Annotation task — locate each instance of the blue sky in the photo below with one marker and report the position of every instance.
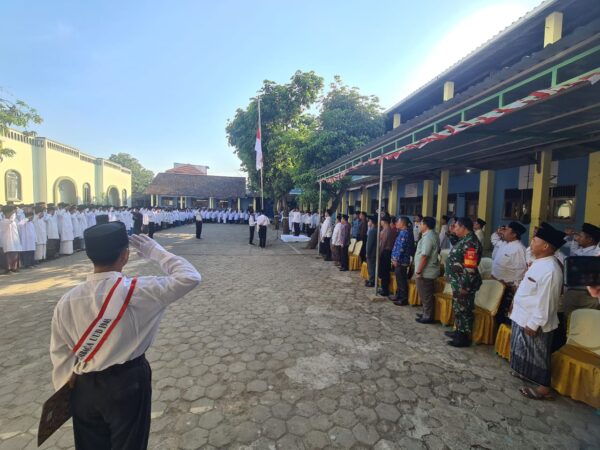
(160, 79)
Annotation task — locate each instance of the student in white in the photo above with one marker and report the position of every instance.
(102, 349)
(41, 233)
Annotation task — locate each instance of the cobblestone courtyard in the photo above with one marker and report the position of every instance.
(277, 349)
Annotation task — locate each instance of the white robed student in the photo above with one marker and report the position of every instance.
(90, 217)
(534, 314)
(53, 244)
(9, 238)
(77, 231)
(27, 237)
(41, 233)
(82, 225)
(65, 229)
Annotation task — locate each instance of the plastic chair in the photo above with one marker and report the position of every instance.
(576, 366)
(351, 246)
(354, 263)
(487, 302)
(443, 306)
(485, 268)
(364, 271)
(502, 345)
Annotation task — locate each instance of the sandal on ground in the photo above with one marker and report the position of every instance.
(532, 394)
(518, 375)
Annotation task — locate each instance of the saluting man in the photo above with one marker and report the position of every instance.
(465, 279)
(101, 330)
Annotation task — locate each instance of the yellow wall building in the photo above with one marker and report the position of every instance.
(43, 170)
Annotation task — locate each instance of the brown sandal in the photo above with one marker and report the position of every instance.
(532, 394)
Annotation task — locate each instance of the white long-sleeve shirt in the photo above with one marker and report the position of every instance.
(262, 220)
(41, 234)
(536, 301)
(510, 262)
(9, 234)
(326, 230)
(336, 237)
(78, 308)
(52, 226)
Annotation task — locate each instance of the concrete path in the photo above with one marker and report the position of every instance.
(278, 349)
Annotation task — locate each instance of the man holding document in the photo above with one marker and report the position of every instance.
(101, 330)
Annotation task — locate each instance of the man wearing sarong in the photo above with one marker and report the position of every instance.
(534, 314)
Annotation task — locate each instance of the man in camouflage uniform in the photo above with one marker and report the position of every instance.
(461, 271)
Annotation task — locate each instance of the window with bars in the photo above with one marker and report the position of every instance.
(12, 181)
(517, 205)
(562, 203)
(87, 193)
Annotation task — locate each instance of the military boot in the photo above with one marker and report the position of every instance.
(460, 340)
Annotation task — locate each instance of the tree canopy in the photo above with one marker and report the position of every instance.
(296, 142)
(140, 176)
(15, 114)
(285, 126)
(347, 120)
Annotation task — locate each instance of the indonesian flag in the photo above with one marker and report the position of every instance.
(258, 148)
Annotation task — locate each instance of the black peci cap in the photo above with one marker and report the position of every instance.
(105, 242)
(551, 235)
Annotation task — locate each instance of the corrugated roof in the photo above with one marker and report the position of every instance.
(205, 186)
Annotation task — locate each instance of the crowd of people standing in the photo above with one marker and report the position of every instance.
(535, 303)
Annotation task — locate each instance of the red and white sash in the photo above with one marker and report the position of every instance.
(108, 317)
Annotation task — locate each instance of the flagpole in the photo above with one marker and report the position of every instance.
(262, 190)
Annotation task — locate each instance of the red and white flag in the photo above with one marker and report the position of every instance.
(258, 148)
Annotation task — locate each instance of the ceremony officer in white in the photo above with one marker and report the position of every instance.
(101, 330)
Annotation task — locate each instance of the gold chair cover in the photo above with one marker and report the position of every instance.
(502, 345)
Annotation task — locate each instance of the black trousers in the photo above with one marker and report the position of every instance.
(198, 229)
(262, 235)
(385, 263)
(151, 229)
(296, 229)
(326, 248)
(52, 248)
(252, 228)
(401, 272)
(344, 256)
(111, 408)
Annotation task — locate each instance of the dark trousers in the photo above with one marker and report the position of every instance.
(385, 263)
(344, 256)
(151, 229)
(371, 268)
(262, 235)
(363, 250)
(326, 248)
(77, 244)
(52, 247)
(27, 258)
(198, 229)
(425, 287)
(251, 228)
(296, 229)
(111, 408)
(401, 273)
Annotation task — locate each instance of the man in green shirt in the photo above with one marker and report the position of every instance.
(427, 267)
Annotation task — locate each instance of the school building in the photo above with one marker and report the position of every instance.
(44, 170)
(510, 132)
(190, 186)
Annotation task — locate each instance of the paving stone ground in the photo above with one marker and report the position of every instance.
(278, 349)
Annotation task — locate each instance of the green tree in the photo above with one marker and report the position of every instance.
(140, 176)
(347, 120)
(286, 125)
(15, 114)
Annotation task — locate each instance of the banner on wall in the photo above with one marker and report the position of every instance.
(411, 190)
(526, 174)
